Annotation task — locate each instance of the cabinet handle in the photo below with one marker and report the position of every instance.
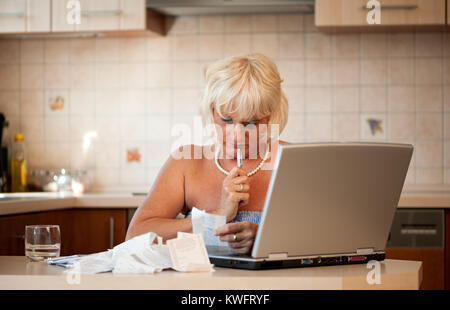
(111, 232)
(393, 7)
(101, 12)
(13, 14)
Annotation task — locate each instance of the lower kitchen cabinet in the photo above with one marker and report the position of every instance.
(83, 231)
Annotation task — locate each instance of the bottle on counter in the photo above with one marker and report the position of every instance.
(18, 165)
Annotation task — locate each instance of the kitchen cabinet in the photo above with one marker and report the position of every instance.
(24, 16)
(348, 15)
(100, 17)
(83, 231)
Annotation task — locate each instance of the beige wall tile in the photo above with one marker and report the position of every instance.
(346, 127)
(446, 90)
(447, 154)
(211, 46)
(318, 72)
(159, 128)
(186, 74)
(402, 126)
(82, 102)
(429, 98)
(9, 77)
(107, 50)
(142, 149)
(292, 72)
(56, 51)
(186, 100)
(159, 100)
(290, 22)
(81, 50)
(266, 44)
(211, 24)
(107, 102)
(133, 176)
(309, 23)
(318, 99)
(50, 96)
(33, 129)
(377, 134)
(132, 128)
(346, 99)
(373, 99)
(410, 176)
(401, 71)
(237, 23)
(108, 129)
(428, 71)
(429, 44)
(109, 157)
(429, 126)
(318, 45)
(36, 161)
(56, 76)
(133, 49)
(81, 128)
(159, 74)
(295, 128)
(107, 75)
(318, 127)
(32, 76)
(9, 103)
(185, 47)
(373, 45)
(291, 45)
(182, 25)
(264, 23)
(446, 125)
(374, 71)
(157, 152)
(346, 72)
(9, 51)
(446, 71)
(401, 44)
(31, 51)
(56, 155)
(105, 177)
(81, 76)
(429, 176)
(133, 75)
(82, 157)
(237, 44)
(159, 48)
(31, 103)
(295, 97)
(132, 102)
(57, 129)
(401, 99)
(346, 45)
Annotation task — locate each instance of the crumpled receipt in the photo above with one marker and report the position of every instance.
(140, 255)
(205, 224)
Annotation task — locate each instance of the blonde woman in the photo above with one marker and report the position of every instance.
(242, 94)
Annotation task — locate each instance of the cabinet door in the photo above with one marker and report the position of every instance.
(21, 16)
(393, 12)
(83, 231)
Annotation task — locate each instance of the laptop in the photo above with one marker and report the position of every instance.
(326, 204)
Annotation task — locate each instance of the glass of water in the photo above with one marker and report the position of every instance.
(42, 242)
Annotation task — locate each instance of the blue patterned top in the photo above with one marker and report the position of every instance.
(243, 216)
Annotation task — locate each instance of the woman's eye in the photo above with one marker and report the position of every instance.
(251, 123)
(227, 120)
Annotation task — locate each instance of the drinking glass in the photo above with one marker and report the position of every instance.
(42, 242)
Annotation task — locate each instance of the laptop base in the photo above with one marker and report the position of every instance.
(294, 263)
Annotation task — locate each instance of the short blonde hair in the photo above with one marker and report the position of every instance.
(248, 85)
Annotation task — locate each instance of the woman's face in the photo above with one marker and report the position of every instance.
(245, 134)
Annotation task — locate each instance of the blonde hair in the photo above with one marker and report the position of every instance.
(248, 85)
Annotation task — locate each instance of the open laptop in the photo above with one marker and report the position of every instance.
(326, 204)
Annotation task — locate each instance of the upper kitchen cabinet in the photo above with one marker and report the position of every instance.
(18, 16)
(60, 17)
(351, 15)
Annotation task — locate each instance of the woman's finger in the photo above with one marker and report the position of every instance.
(230, 228)
(241, 188)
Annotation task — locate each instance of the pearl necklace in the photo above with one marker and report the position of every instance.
(216, 160)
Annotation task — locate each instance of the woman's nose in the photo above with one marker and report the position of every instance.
(239, 134)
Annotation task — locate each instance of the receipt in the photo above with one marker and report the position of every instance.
(205, 224)
(188, 253)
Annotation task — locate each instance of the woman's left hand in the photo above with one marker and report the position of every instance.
(240, 236)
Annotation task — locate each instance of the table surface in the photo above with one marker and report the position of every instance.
(17, 272)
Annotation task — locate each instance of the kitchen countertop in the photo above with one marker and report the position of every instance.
(16, 272)
(19, 203)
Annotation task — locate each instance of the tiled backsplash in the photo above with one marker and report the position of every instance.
(122, 96)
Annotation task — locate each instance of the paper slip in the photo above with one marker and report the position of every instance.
(205, 224)
(188, 253)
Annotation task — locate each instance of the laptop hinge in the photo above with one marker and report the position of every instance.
(277, 256)
(364, 251)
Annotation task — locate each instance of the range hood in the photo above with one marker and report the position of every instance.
(215, 7)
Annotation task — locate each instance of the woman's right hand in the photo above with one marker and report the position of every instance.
(232, 196)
